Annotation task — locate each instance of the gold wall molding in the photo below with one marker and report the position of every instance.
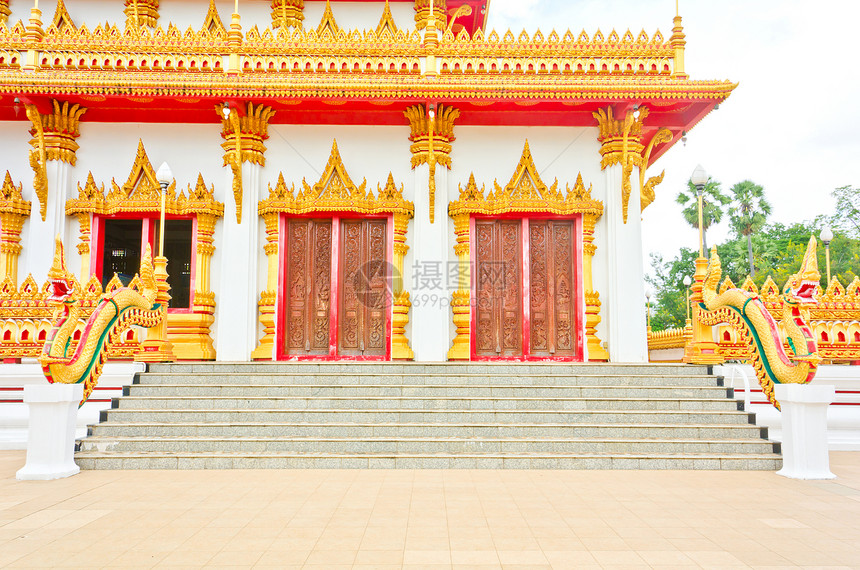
(336, 192)
(266, 349)
(190, 332)
(243, 136)
(60, 129)
(139, 13)
(14, 210)
(287, 13)
(525, 193)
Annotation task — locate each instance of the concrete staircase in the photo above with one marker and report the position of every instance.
(393, 415)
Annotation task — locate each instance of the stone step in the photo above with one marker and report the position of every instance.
(238, 460)
(473, 430)
(377, 445)
(497, 368)
(427, 391)
(422, 415)
(420, 379)
(385, 403)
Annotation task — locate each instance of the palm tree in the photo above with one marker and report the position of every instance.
(750, 210)
(713, 201)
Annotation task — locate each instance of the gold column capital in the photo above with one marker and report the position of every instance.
(443, 133)
(60, 129)
(252, 125)
(287, 13)
(422, 13)
(141, 13)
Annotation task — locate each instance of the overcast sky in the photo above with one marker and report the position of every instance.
(793, 123)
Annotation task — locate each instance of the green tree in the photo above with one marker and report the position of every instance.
(713, 201)
(750, 210)
(847, 216)
(668, 309)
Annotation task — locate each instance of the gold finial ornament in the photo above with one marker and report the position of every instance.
(140, 13)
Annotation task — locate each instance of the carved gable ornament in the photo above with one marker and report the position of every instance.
(142, 193)
(526, 193)
(336, 192)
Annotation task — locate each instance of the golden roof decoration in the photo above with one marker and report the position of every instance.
(212, 22)
(526, 192)
(727, 284)
(11, 198)
(62, 20)
(386, 23)
(142, 193)
(749, 285)
(336, 192)
(328, 24)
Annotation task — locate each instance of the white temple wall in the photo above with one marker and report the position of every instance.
(302, 151)
(185, 13)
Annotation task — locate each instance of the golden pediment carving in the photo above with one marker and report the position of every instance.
(142, 193)
(526, 193)
(336, 192)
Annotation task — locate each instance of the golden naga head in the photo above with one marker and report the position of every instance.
(801, 286)
(62, 282)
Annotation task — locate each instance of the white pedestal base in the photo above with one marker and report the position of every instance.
(804, 429)
(51, 438)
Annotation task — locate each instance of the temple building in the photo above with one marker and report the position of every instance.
(380, 180)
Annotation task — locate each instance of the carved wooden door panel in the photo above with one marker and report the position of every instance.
(499, 288)
(551, 287)
(364, 299)
(309, 287)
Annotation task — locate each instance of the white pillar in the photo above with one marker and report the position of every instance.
(432, 251)
(38, 251)
(240, 285)
(51, 435)
(804, 430)
(624, 305)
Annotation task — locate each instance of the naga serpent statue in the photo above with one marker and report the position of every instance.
(758, 329)
(115, 313)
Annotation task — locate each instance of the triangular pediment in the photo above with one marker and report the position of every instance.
(386, 23)
(212, 23)
(526, 183)
(141, 183)
(328, 23)
(62, 20)
(335, 183)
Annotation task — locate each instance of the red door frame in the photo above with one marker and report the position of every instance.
(526, 289)
(148, 222)
(334, 295)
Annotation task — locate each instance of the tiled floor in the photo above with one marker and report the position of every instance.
(430, 519)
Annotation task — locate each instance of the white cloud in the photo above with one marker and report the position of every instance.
(792, 123)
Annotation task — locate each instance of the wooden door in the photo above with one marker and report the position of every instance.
(364, 295)
(551, 286)
(309, 287)
(499, 288)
